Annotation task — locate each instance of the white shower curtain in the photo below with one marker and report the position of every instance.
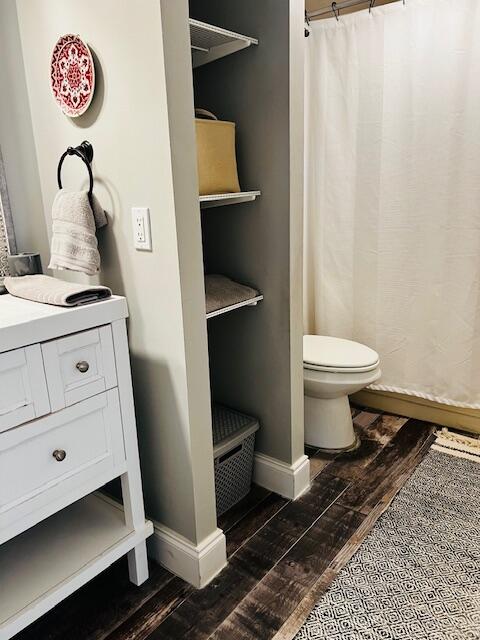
(392, 210)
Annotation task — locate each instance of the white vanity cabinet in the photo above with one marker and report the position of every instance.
(67, 427)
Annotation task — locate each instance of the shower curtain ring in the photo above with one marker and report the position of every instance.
(372, 2)
(307, 23)
(336, 12)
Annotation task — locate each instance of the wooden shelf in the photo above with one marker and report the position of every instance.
(48, 562)
(210, 43)
(246, 303)
(223, 199)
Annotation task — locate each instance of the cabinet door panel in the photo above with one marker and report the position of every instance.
(23, 389)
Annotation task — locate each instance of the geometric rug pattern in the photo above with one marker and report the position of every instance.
(417, 574)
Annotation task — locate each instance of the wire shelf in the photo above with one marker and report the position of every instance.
(210, 43)
(222, 199)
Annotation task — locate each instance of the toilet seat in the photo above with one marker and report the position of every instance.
(336, 355)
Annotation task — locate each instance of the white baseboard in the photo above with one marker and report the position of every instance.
(289, 480)
(197, 565)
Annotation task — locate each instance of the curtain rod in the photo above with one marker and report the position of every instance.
(336, 7)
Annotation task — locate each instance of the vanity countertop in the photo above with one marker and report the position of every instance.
(23, 322)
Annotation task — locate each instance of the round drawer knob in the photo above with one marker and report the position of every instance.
(59, 455)
(82, 366)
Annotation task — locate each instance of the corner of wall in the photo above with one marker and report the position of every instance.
(288, 480)
(196, 564)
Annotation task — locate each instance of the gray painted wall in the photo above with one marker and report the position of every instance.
(256, 353)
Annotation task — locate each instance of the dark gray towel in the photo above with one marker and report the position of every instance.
(222, 292)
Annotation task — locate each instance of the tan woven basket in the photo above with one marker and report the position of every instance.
(216, 158)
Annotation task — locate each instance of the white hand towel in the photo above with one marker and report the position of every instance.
(74, 243)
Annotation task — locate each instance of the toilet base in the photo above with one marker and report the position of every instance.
(328, 423)
(353, 447)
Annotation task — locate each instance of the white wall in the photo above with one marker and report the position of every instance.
(16, 139)
(128, 127)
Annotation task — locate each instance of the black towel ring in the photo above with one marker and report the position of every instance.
(84, 151)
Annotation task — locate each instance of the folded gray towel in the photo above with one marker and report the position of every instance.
(222, 292)
(74, 243)
(49, 290)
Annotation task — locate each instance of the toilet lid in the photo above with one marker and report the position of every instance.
(327, 353)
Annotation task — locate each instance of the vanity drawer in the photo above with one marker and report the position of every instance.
(46, 461)
(79, 366)
(23, 390)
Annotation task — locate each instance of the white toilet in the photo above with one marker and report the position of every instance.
(333, 369)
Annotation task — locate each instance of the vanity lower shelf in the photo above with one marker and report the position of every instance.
(48, 562)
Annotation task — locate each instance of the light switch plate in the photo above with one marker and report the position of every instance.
(142, 237)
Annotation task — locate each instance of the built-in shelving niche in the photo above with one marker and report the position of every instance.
(209, 43)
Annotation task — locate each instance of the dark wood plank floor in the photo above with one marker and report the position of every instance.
(282, 555)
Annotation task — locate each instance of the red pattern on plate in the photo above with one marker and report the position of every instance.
(72, 75)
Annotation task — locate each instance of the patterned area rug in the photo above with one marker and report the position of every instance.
(417, 575)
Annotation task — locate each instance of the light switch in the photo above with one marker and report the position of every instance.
(142, 237)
